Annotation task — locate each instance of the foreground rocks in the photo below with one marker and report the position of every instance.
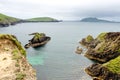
(106, 71)
(13, 63)
(39, 39)
(104, 49)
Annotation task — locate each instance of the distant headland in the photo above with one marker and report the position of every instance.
(8, 20)
(94, 19)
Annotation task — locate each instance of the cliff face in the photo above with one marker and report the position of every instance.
(13, 63)
(104, 48)
(106, 71)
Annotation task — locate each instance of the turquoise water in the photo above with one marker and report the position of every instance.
(57, 60)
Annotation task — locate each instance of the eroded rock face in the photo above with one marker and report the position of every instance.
(106, 71)
(13, 63)
(103, 48)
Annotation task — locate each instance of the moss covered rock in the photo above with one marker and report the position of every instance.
(106, 71)
(103, 48)
(39, 39)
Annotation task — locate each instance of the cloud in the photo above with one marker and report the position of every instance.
(62, 9)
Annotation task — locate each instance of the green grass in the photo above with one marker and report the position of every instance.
(113, 65)
(15, 41)
(4, 19)
(89, 38)
(42, 19)
(101, 36)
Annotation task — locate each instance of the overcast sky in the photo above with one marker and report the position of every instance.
(62, 9)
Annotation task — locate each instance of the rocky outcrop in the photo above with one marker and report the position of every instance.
(13, 62)
(39, 39)
(106, 71)
(104, 48)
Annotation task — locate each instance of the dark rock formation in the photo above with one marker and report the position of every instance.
(39, 39)
(106, 71)
(104, 48)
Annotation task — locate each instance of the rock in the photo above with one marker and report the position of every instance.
(103, 48)
(106, 71)
(13, 62)
(39, 39)
(79, 50)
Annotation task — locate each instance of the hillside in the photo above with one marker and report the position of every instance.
(7, 20)
(13, 62)
(42, 19)
(91, 19)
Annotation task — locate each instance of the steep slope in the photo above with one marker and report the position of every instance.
(7, 20)
(13, 63)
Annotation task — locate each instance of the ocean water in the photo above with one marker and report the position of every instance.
(57, 60)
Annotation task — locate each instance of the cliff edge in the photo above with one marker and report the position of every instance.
(13, 62)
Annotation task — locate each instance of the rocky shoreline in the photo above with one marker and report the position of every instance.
(104, 49)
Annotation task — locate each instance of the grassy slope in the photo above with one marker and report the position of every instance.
(42, 19)
(4, 19)
(113, 65)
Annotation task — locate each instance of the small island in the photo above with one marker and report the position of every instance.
(38, 40)
(94, 19)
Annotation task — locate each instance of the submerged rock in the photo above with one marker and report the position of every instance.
(13, 62)
(39, 39)
(106, 71)
(104, 48)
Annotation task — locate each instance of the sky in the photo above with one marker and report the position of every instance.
(62, 9)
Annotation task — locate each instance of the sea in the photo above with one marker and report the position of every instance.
(57, 59)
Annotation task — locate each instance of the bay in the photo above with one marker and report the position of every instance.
(57, 60)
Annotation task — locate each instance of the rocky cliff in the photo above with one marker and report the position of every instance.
(13, 62)
(106, 50)
(103, 48)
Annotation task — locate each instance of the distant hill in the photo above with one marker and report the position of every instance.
(91, 19)
(42, 19)
(7, 20)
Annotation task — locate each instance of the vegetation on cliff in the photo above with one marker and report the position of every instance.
(14, 65)
(7, 20)
(103, 48)
(106, 49)
(106, 71)
(42, 19)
